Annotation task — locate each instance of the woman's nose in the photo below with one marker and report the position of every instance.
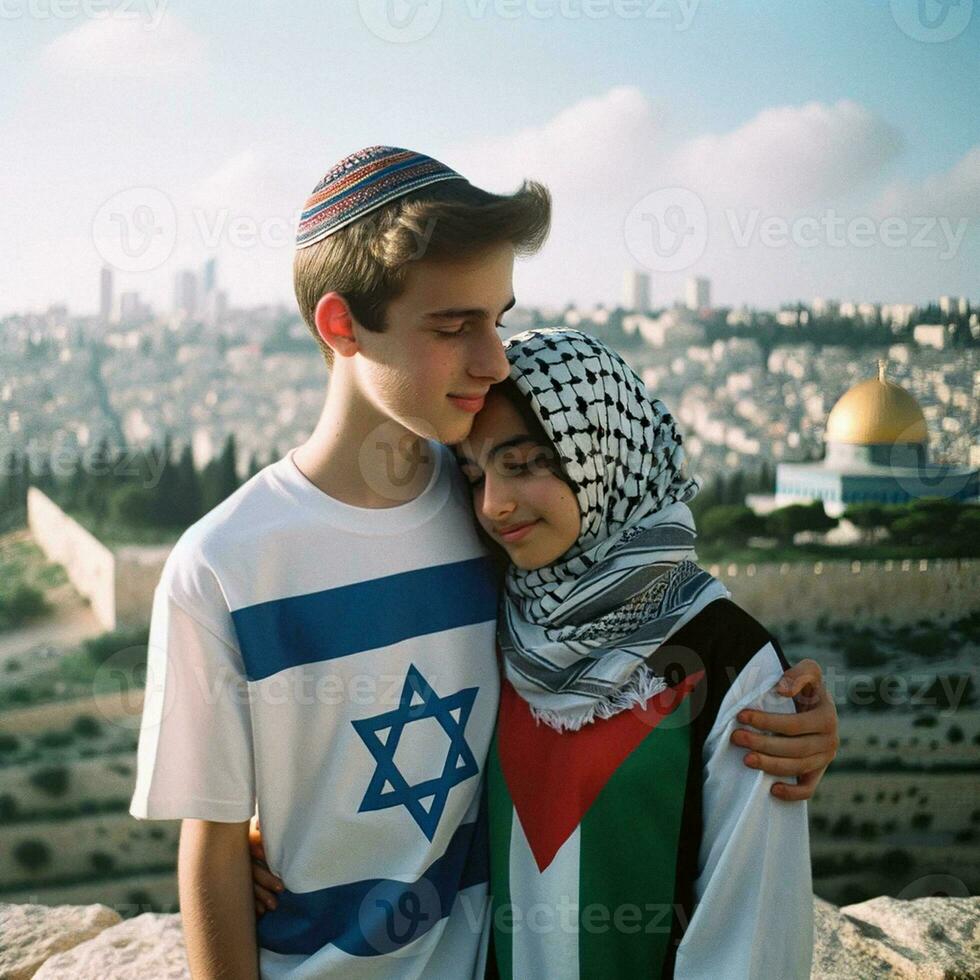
(497, 502)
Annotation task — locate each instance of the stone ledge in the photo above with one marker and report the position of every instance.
(924, 938)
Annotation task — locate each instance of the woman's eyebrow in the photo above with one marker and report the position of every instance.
(510, 443)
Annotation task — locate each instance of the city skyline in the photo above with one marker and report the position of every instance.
(814, 179)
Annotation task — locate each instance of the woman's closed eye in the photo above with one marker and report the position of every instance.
(526, 468)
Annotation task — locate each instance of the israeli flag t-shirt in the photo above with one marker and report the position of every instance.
(333, 667)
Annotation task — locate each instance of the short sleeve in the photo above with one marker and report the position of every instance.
(195, 757)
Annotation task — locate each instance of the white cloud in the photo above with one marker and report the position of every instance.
(954, 193)
(582, 149)
(126, 47)
(789, 156)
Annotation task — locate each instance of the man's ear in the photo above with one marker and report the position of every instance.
(335, 324)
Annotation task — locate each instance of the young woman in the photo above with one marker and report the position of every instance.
(628, 836)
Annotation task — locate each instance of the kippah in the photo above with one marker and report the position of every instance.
(363, 182)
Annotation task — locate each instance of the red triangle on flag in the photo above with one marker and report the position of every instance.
(554, 777)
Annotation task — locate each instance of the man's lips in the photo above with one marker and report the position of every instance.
(515, 532)
(468, 403)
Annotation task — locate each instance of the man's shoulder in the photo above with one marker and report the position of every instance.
(194, 566)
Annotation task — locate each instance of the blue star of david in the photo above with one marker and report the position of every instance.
(381, 734)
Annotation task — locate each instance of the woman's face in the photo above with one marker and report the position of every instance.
(517, 498)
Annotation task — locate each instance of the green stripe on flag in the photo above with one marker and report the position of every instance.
(501, 819)
(629, 841)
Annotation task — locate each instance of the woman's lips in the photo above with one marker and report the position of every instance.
(468, 404)
(518, 533)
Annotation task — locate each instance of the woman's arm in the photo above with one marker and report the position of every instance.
(802, 743)
(753, 914)
(265, 884)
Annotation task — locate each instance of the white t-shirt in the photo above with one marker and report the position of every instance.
(334, 667)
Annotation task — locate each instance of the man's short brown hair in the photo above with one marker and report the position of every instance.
(367, 261)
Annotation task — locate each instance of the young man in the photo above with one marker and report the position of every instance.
(322, 643)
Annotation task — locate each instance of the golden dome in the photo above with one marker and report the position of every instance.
(875, 412)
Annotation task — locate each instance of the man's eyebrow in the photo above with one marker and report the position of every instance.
(511, 443)
(453, 314)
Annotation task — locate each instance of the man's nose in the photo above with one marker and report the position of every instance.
(487, 358)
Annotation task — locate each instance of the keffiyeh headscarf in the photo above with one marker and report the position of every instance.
(575, 634)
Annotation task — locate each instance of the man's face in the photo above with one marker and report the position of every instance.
(441, 350)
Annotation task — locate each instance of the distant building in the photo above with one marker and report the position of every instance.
(636, 291)
(132, 310)
(185, 293)
(898, 314)
(824, 307)
(209, 276)
(105, 295)
(673, 328)
(877, 452)
(698, 294)
(930, 335)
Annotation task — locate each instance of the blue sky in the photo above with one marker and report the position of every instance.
(790, 111)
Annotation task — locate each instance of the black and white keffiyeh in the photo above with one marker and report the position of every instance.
(575, 634)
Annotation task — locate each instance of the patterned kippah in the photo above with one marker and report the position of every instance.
(363, 182)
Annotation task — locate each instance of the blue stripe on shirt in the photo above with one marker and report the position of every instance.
(380, 915)
(304, 629)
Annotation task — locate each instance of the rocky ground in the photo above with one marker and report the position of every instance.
(926, 938)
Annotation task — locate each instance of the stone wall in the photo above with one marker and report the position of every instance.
(89, 564)
(904, 590)
(119, 583)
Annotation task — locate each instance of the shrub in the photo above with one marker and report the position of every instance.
(24, 603)
(52, 780)
(730, 524)
(33, 855)
(141, 898)
(86, 726)
(8, 807)
(102, 863)
(8, 742)
(100, 648)
(897, 862)
(55, 740)
(868, 829)
(863, 652)
(921, 821)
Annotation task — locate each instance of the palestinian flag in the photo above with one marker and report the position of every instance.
(595, 833)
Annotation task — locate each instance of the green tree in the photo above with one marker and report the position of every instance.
(785, 522)
(221, 475)
(730, 524)
(187, 498)
(866, 517)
